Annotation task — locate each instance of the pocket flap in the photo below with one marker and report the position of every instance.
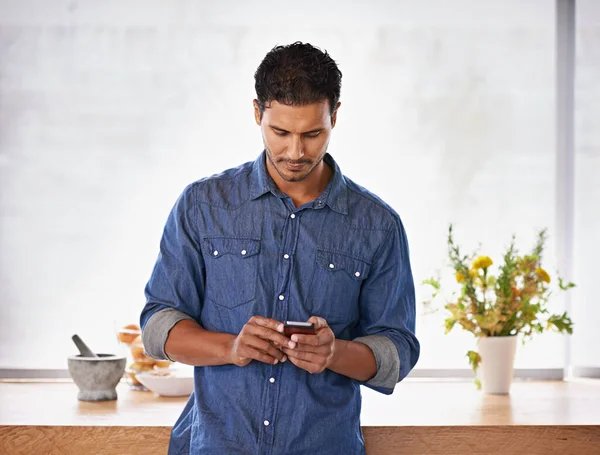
(335, 262)
(216, 247)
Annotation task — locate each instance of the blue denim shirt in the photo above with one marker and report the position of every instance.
(235, 246)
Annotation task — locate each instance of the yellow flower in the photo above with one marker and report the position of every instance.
(473, 273)
(542, 274)
(460, 277)
(482, 262)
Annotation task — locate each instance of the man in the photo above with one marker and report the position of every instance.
(284, 238)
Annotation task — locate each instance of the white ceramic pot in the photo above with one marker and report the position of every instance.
(497, 363)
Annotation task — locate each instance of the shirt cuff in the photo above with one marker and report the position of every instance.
(156, 331)
(387, 359)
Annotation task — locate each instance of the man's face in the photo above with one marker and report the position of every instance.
(295, 137)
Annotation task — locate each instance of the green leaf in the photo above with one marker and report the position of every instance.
(563, 286)
(433, 283)
(562, 323)
(539, 246)
(474, 360)
(449, 324)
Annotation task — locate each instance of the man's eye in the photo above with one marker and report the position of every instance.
(281, 133)
(312, 135)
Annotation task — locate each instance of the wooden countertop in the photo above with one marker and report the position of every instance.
(422, 416)
(414, 403)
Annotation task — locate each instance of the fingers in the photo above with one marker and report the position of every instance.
(267, 322)
(272, 336)
(312, 368)
(319, 358)
(307, 340)
(265, 347)
(309, 361)
(260, 340)
(322, 336)
(256, 354)
(302, 355)
(319, 323)
(269, 329)
(322, 349)
(313, 352)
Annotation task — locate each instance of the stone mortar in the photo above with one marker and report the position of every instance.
(97, 378)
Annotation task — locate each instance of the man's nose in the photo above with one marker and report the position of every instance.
(296, 150)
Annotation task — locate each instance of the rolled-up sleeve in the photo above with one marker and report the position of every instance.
(156, 331)
(387, 306)
(178, 278)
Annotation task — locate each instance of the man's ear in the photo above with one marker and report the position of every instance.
(257, 116)
(334, 115)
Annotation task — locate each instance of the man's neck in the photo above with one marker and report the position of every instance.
(305, 190)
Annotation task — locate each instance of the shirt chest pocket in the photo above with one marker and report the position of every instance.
(335, 286)
(231, 270)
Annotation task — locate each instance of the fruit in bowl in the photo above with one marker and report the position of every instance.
(162, 364)
(130, 336)
(129, 333)
(135, 368)
(168, 382)
(137, 350)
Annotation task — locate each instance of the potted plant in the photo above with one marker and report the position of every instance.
(499, 308)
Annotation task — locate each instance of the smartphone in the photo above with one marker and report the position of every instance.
(304, 328)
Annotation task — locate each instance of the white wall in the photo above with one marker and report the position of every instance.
(586, 301)
(108, 109)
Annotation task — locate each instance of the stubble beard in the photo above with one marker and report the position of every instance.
(293, 177)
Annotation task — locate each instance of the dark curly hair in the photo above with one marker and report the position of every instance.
(296, 75)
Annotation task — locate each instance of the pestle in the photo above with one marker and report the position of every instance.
(96, 375)
(83, 348)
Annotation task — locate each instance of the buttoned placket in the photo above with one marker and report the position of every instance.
(280, 311)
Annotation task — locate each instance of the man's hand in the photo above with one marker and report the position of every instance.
(255, 342)
(313, 353)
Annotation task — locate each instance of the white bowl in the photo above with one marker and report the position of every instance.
(168, 383)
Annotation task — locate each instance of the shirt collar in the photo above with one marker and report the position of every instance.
(335, 194)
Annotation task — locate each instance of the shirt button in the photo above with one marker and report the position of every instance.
(244, 252)
(272, 380)
(331, 266)
(266, 423)
(281, 297)
(286, 256)
(357, 274)
(216, 253)
(292, 216)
